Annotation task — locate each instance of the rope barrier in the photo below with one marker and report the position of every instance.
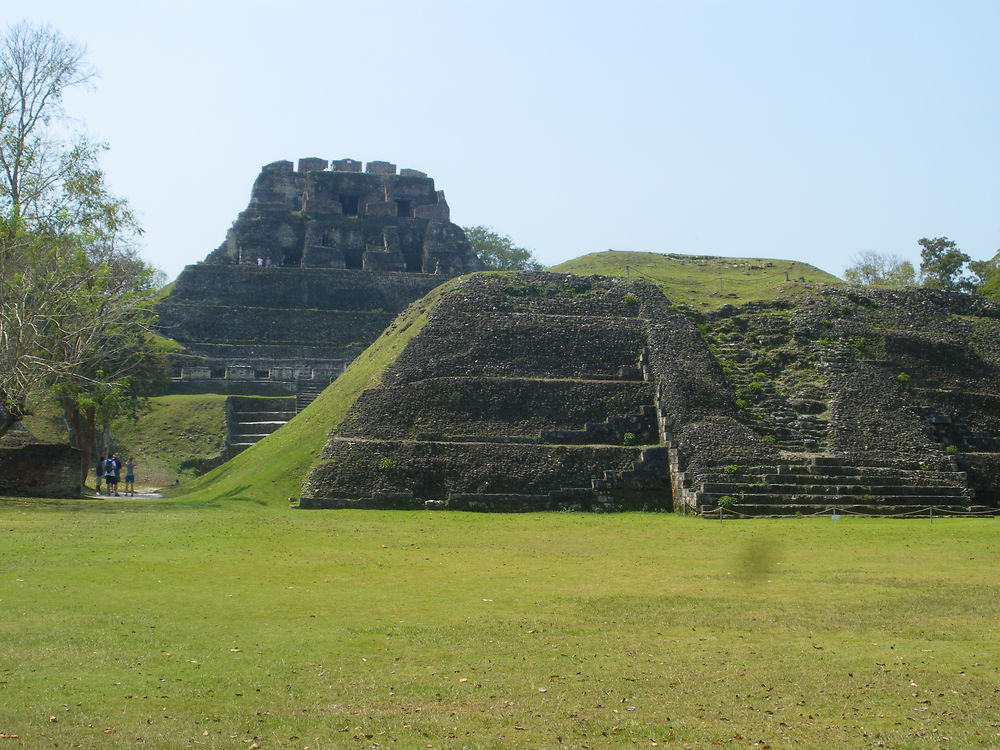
(928, 511)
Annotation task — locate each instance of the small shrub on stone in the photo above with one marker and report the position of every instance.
(730, 469)
(386, 464)
(629, 438)
(630, 299)
(726, 501)
(951, 448)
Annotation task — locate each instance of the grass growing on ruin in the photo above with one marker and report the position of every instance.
(272, 470)
(227, 624)
(704, 282)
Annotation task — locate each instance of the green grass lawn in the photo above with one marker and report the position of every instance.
(229, 622)
(704, 282)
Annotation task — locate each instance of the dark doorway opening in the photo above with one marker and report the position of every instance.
(353, 258)
(349, 205)
(403, 208)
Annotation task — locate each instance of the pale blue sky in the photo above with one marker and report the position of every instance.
(808, 130)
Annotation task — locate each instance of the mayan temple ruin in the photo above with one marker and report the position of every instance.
(544, 391)
(321, 260)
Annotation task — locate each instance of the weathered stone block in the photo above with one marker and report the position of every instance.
(432, 211)
(380, 208)
(380, 167)
(312, 164)
(323, 257)
(345, 165)
(30, 469)
(411, 173)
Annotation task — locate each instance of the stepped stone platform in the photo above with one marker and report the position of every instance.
(522, 392)
(320, 262)
(535, 391)
(250, 420)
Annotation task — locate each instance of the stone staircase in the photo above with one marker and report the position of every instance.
(250, 420)
(306, 392)
(823, 484)
(642, 427)
(793, 425)
(650, 471)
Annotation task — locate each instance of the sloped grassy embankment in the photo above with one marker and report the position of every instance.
(272, 471)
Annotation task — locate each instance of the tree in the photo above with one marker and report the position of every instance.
(134, 368)
(941, 264)
(68, 275)
(876, 269)
(498, 251)
(987, 276)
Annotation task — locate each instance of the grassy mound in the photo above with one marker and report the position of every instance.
(702, 281)
(272, 470)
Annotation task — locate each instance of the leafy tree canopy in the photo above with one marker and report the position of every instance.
(987, 276)
(941, 264)
(498, 251)
(876, 269)
(69, 275)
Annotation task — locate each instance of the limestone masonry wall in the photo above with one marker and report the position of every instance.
(31, 469)
(336, 216)
(507, 407)
(523, 391)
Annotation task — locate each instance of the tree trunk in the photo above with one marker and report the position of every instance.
(6, 421)
(77, 432)
(87, 440)
(10, 415)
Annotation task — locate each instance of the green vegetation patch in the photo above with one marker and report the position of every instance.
(701, 281)
(177, 430)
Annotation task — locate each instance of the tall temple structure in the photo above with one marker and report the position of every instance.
(310, 273)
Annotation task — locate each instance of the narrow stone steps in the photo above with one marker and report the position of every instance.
(307, 393)
(783, 510)
(263, 416)
(789, 499)
(750, 490)
(261, 428)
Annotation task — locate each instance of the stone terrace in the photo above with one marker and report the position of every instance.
(522, 392)
(519, 393)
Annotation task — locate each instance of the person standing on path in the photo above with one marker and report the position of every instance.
(111, 475)
(130, 476)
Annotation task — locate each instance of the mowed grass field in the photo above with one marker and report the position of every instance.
(231, 622)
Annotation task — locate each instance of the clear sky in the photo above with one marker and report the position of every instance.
(800, 129)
